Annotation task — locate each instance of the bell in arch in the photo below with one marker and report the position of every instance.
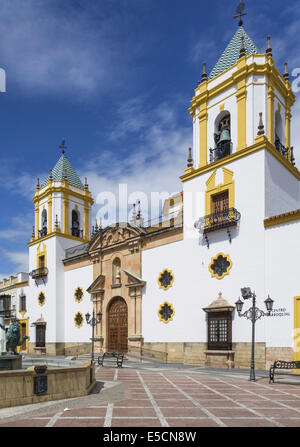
(223, 130)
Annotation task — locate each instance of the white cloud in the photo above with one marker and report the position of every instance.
(61, 46)
(18, 258)
(154, 162)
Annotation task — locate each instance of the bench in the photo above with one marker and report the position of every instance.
(280, 364)
(112, 358)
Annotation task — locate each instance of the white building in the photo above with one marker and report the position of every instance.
(171, 289)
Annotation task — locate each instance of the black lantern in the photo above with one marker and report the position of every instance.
(92, 322)
(246, 293)
(87, 317)
(239, 305)
(269, 304)
(99, 316)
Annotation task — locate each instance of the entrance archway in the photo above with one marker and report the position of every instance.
(117, 326)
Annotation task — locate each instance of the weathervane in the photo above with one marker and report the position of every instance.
(239, 12)
(62, 146)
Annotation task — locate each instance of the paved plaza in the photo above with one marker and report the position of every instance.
(149, 395)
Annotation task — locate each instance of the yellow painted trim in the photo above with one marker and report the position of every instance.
(76, 299)
(22, 284)
(40, 294)
(160, 275)
(288, 117)
(260, 144)
(37, 221)
(159, 315)
(241, 98)
(66, 215)
(26, 321)
(213, 274)
(50, 214)
(40, 253)
(212, 189)
(57, 233)
(296, 329)
(244, 71)
(271, 113)
(281, 220)
(51, 190)
(76, 324)
(86, 223)
(22, 313)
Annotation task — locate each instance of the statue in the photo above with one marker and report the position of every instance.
(13, 337)
(223, 133)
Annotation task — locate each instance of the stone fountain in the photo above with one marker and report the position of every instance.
(9, 358)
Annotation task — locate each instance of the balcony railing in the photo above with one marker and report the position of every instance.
(222, 150)
(41, 272)
(216, 221)
(280, 147)
(43, 232)
(8, 313)
(76, 232)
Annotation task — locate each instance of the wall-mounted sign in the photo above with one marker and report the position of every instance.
(281, 312)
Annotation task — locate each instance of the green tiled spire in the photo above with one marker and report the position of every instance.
(232, 52)
(63, 167)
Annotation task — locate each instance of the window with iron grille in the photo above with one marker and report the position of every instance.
(219, 331)
(22, 302)
(40, 334)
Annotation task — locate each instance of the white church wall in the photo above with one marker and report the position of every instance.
(282, 188)
(80, 277)
(282, 281)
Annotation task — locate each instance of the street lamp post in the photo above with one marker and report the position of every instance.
(92, 322)
(253, 314)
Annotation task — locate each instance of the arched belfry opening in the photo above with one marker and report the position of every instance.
(44, 229)
(278, 128)
(75, 223)
(117, 325)
(222, 137)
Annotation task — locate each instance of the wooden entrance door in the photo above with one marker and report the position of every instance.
(118, 326)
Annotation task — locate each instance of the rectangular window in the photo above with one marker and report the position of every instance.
(22, 302)
(220, 202)
(219, 331)
(40, 334)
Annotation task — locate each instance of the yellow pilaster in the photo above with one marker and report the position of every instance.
(271, 113)
(50, 215)
(86, 222)
(37, 220)
(241, 98)
(66, 214)
(288, 117)
(203, 116)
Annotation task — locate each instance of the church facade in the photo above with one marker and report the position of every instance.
(170, 289)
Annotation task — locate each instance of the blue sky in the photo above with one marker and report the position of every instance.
(114, 78)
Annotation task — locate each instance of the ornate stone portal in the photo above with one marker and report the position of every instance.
(116, 255)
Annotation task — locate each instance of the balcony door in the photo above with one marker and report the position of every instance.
(220, 206)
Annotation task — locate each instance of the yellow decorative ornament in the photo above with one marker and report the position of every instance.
(78, 319)
(220, 266)
(41, 298)
(78, 294)
(166, 312)
(165, 279)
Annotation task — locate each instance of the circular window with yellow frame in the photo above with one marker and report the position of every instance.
(166, 279)
(220, 266)
(166, 312)
(41, 298)
(78, 319)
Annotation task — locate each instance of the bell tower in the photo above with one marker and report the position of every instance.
(241, 113)
(62, 220)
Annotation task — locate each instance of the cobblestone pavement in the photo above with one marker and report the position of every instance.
(169, 397)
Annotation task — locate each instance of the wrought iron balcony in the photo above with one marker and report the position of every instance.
(222, 150)
(41, 272)
(216, 221)
(43, 232)
(76, 232)
(280, 147)
(8, 313)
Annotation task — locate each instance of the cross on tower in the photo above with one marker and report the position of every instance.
(62, 146)
(239, 12)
